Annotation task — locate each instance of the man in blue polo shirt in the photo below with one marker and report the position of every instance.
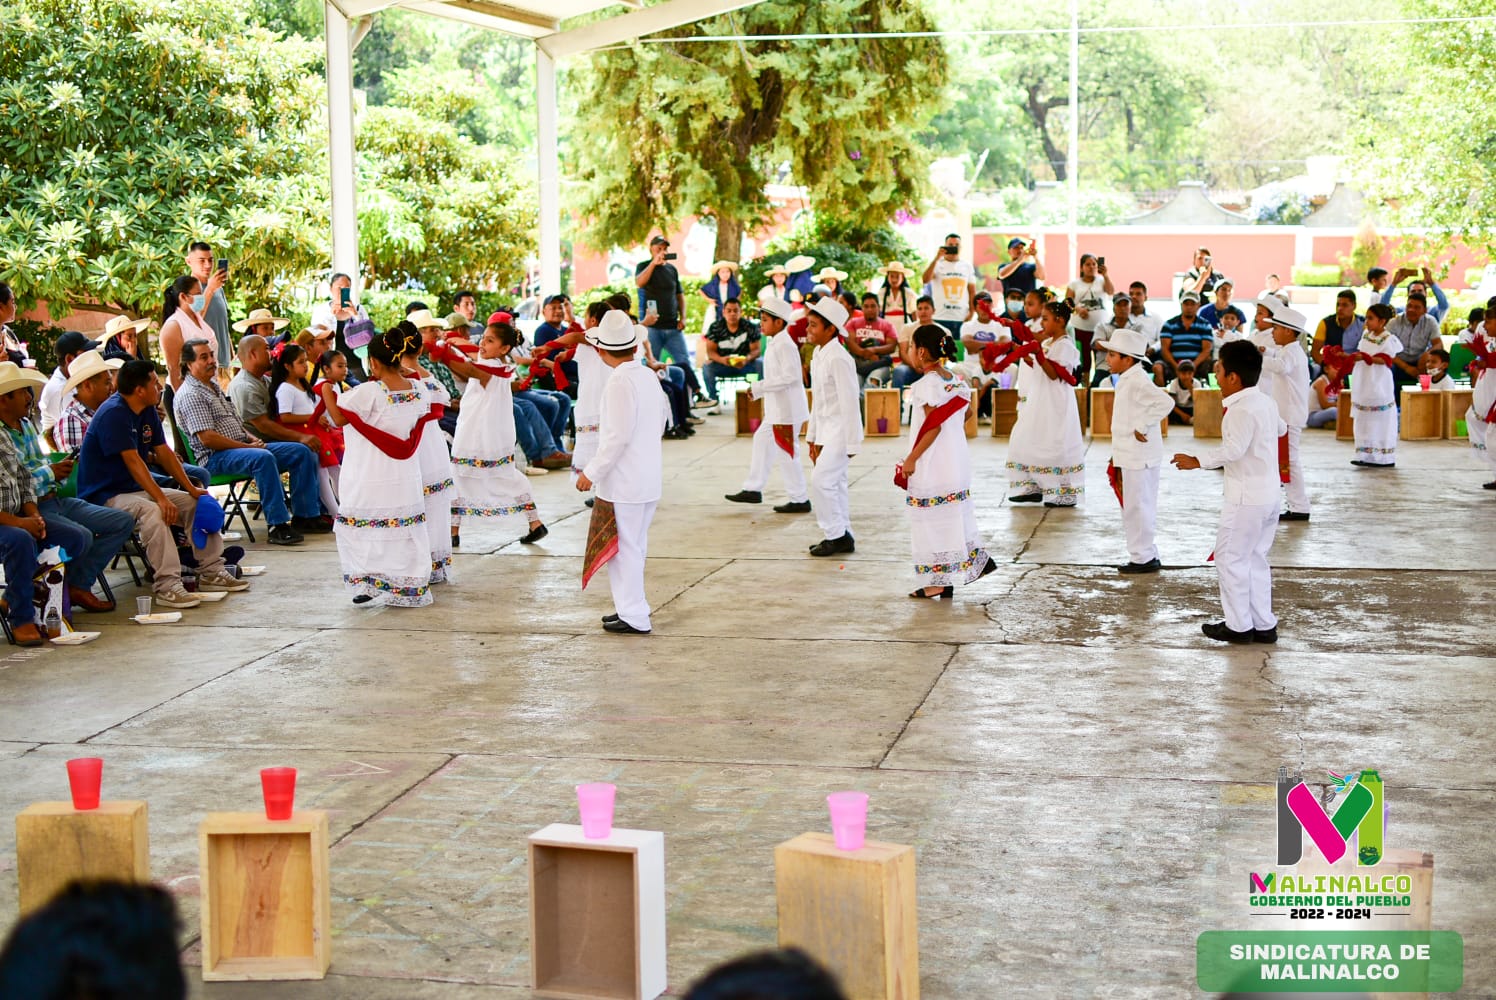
(1186, 337)
(124, 435)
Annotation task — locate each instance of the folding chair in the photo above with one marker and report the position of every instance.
(237, 486)
(132, 549)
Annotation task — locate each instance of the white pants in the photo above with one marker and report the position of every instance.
(626, 569)
(828, 484)
(1481, 437)
(1298, 490)
(1140, 512)
(766, 455)
(1242, 543)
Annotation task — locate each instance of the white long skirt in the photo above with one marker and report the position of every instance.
(1376, 433)
(945, 543)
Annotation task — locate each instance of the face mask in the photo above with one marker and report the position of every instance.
(1015, 306)
(198, 302)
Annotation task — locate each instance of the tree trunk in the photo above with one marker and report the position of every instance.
(729, 238)
(1038, 112)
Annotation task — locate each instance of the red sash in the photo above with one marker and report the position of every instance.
(1283, 466)
(386, 442)
(542, 352)
(931, 425)
(997, 357)
(784, 436)
(602, 539)
(1334, 357)
(1114, 476)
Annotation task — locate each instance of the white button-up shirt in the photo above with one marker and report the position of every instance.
(835, 415)
(628, 467)
(1249, 448)
(783, 387)
(1138, 406)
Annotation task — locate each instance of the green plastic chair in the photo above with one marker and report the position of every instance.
(1460, 356)
(236, 485)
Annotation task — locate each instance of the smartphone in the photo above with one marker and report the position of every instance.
(670, 256)
(1101, 262)
(345, 295)
(223, 264)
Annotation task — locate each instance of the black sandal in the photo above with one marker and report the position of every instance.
(945, 592)
(535, 535)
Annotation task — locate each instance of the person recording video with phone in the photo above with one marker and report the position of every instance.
(212, 275)
(335, 314)
(1023, 272)
(662, 308)
(953, 285)
(1202, 277)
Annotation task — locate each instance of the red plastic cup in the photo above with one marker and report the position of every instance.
(1425, 382)
(85, 775)
(279, 787)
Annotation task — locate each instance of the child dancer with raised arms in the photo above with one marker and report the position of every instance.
(1046, 453)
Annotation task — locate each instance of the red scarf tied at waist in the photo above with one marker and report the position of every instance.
(931, 425)
(541, 353)
(1333, 357)
(386, 442)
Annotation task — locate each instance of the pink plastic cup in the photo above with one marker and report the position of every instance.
(753, 423)
(279, 787)
(882, 425)
(85, 775)
(595, 803)
(848, 819)
(1425, 382)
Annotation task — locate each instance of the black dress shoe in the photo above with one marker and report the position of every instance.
(535, 535)
(846, 543)
(1027, 498)
(945, 592)
(1220, 633)
(1151, 566)
(1489, 486)
(588, 502)
(745, 496)
(1268, 635)
(834, 546)
(793, 507)
(991, 567)
(281, 534)
(1294, 515)
(621, 627)
(1052, 504)
(609, 618)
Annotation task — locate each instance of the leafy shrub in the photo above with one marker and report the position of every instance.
(1282, 208)
(1316, 275)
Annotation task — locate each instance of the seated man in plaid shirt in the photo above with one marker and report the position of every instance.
(22, 533)
(88, 533)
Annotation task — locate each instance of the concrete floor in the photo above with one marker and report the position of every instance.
(1086, 779)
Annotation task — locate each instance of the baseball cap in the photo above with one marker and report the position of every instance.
(658, 240)
(1190, 297)
(500, 317)
(206, 520)
(1121, 297)
(1016, 242)
(73, 342)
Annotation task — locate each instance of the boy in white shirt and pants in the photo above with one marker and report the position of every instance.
(1289, 366)
(1249, 517)
(1138, 408)
(835, 429)
(626, 472)
(783, 392)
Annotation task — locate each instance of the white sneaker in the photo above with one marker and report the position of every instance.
(535, 470)
(177, 597)
(221, 582)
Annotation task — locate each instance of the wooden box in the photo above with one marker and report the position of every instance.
(852, 910)
(56, 844)
(597, 914)
(1004, 411)
(747, 409)
(266, 898)
(1101, 411)
(882, 404)
(1456, 405)
(1422, 417)
(1345, 417)
(1207, 417)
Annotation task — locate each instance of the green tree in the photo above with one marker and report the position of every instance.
(667, 129)
(129, 129)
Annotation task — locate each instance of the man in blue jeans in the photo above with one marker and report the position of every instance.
(223, 445)
(22, 530)
(659, 285)
(89, 533)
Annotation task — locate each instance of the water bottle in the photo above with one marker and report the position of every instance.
(53, 623)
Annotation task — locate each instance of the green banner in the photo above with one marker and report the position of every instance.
(1330, 961)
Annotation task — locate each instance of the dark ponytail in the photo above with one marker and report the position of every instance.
(174, 293)
(936, 341)
(393, 344)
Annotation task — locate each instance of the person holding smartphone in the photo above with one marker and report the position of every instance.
(212, 274)
(335, 314)
(953, 285)
(659, 285)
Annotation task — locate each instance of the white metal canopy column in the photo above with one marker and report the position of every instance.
(344, 183)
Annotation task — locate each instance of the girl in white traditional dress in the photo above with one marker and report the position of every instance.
(942, 518)
(488, 484)
(381, 524)
(436, 462)
(1373, 396)
(1045, 449)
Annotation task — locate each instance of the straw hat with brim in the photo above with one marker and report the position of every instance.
(615, 332)
(13, 377)
(800, 263)
(1126, 341)
(777, 269)
(725, 263)
(422, 319)
(88, 364)
(258, 316)
(119, 325)
(831, 272)
(894, 267)
(777, 307)
(832, 312)
(1289, 317)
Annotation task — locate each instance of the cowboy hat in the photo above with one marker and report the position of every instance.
(86, 365)
(777, 308)
(1290, 318)
(832, 312)
(724, 263)
(800, 263)
(894, 267)
(1271, 303)
(422, 319)
(1132, 343)
(258, 316)
(13, 377)
(830, 272)
(320, 332)
(777, 269)
(120, 324)
(615, 332)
